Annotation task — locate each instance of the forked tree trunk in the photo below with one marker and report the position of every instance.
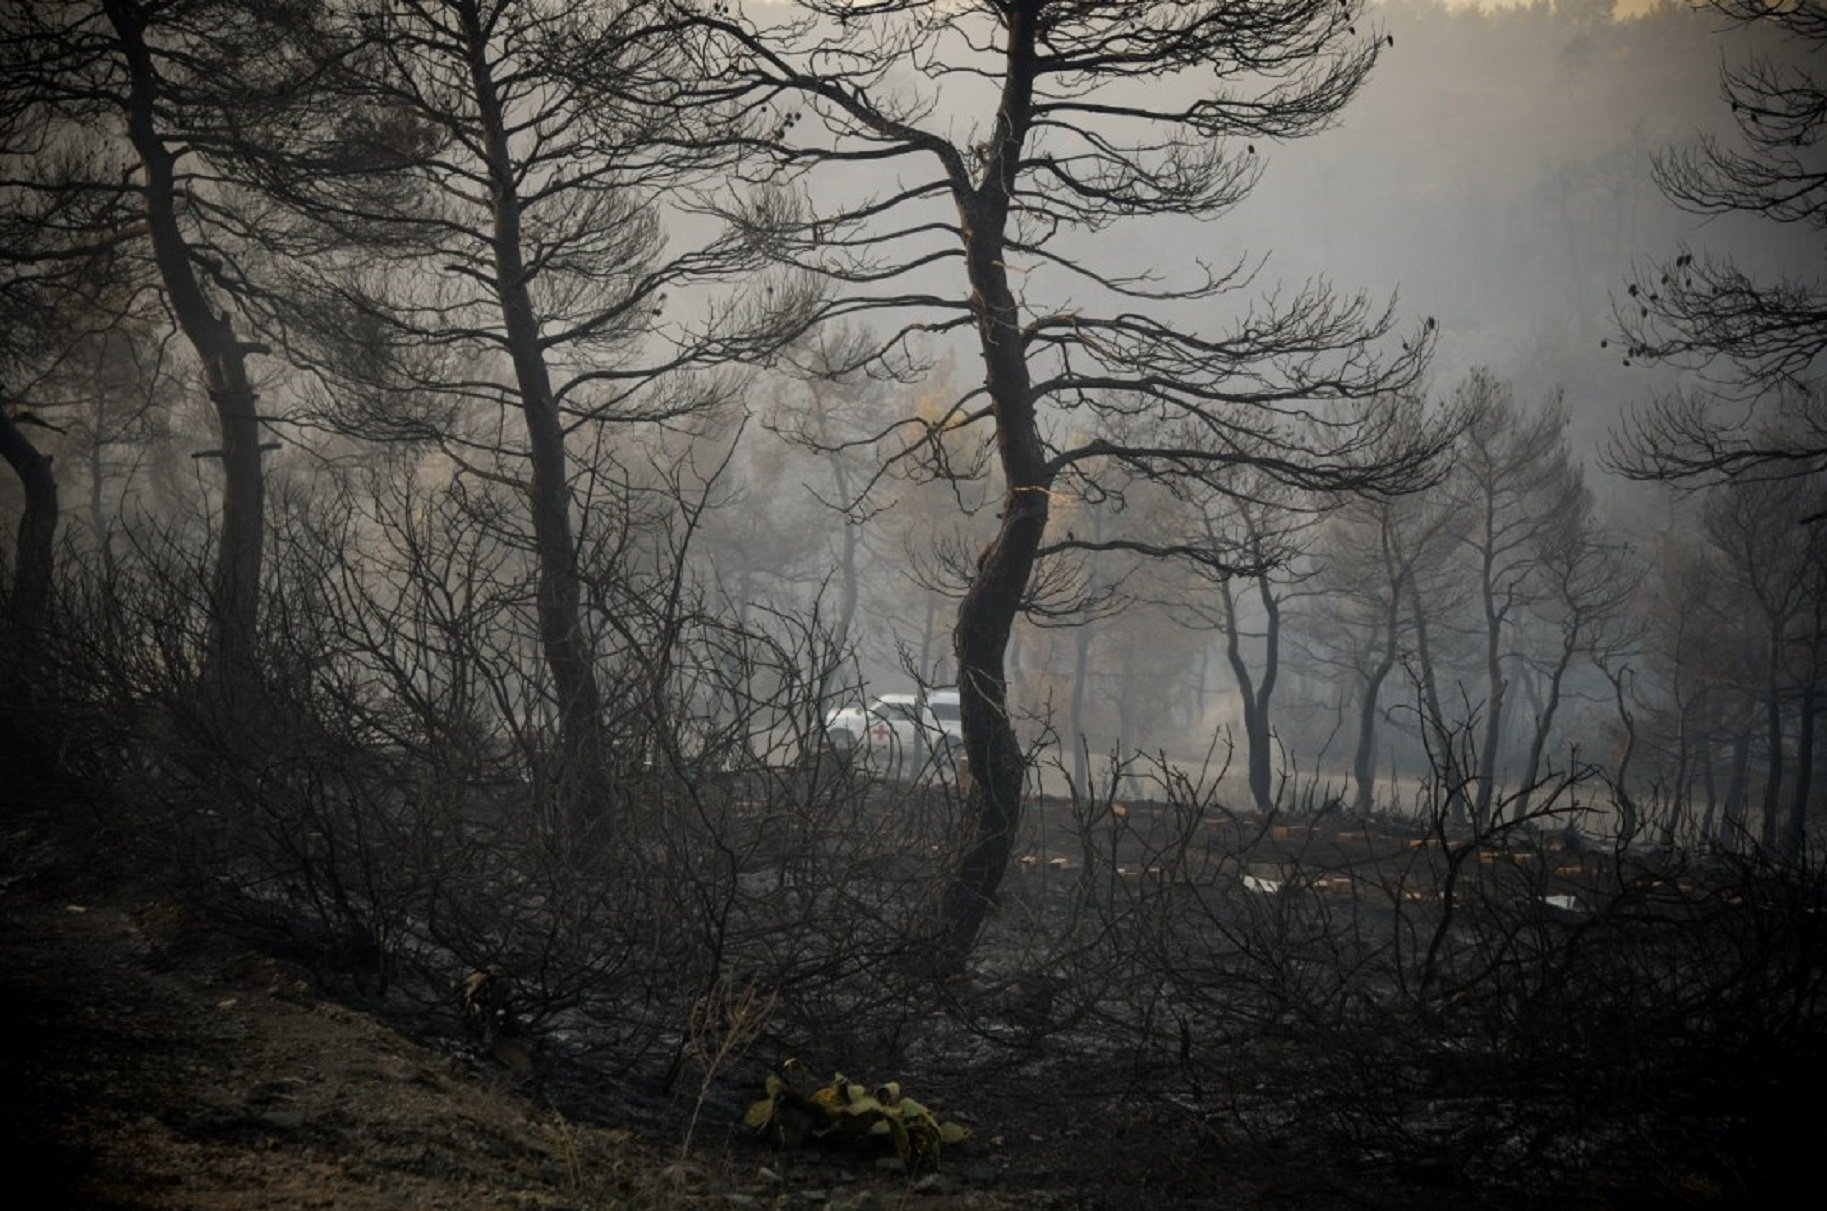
(1258, 736)
(235, 582)
(1445, 754)
(1364, 758)
(1544, 726)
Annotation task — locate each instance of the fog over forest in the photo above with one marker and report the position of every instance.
(1495, 174)
(1264, 561)
(1492, 182)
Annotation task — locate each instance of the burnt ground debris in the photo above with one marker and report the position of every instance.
(156, 1056)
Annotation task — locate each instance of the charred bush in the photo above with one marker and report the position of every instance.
(1510, 1009)
(385, 802)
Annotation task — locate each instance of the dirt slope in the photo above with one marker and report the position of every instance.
(133, 1083)
(146, 1063)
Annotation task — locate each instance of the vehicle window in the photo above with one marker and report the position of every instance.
(947, 711)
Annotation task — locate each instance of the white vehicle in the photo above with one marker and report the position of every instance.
(900, 734)
(945, 710)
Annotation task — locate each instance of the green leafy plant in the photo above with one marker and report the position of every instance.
(846, 1111)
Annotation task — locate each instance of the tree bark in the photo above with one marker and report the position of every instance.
(1496, 695)
(986, 615)
(1732, 820)
(1397, 572)
(1684, 772)
(847, 551)
(235, 585)
(1708, 781)
(1081, 672)
(1773, 738)
(1256, 697)
(1364, 759)
(1795, 826)
(1620, 780)
(1544, 724)
(563, 639)
(29, 602)
(98, 509)
(1445, 756)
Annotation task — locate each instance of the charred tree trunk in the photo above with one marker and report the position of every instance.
(986, 615)
(993, 795)
(846, 563)
(1495, 701)
(1262, 771)
(1258, 740)
(928, 629)
(29, 602)
(1732, 820)
(848, 594)
(566, 645)
(1445, 755)
(1708, 781)
(1684, 772)
(1081, 672)
(98, 508)
(849, 537)
(1202, 690)
(1773, 740)
(1544, 725)
(235, 585)
(1364, 758)
(1627, 747)
(1795, 826)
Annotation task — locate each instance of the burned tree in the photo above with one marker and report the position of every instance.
(29, 594)
(1516, 485)
(1013, 131)
(27, 598)
(1373, 551)
(1774, 561)
(1757, 346)
(1244, 546)
(124, 102)
(476, 191)
(1588, 579)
